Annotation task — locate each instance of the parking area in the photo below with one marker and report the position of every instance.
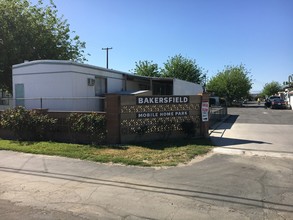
(258, 114)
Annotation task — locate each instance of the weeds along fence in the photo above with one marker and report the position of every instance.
(56, 103)
(217, 113)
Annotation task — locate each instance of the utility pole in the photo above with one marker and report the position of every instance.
(107, 56)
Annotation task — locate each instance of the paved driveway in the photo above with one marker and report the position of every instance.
(256, 130)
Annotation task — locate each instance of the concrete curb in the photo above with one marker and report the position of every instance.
(222, 150)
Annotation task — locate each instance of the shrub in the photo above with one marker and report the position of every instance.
(141, 130)
(27, 124)
(93, 125)
(165, 127)
(188, 127)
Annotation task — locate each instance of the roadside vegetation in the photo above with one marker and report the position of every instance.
(33, 132)
(161, 153)
(271, 88)
(178, 67)
(233, 83)
(34, 32)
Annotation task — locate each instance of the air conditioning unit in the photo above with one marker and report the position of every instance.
(90, 82)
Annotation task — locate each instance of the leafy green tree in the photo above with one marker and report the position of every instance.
(182, 68)
(271, 88)
(33, 32)
(146, 68)
(233, 83)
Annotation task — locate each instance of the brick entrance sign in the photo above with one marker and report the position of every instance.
(146, 118)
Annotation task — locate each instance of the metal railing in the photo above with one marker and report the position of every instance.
(56, 103)
(217, 113)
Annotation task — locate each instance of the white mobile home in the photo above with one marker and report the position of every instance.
(69, 86)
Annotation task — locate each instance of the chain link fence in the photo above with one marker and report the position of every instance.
(56, 103)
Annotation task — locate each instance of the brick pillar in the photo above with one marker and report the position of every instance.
(204, 124)
(112, 108)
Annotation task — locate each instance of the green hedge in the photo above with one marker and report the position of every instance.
(27, 125)
(33, 125)
(92, 125)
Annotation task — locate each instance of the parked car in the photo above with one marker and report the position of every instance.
(274, 97)
(278, 103)
(268, 101)
(237, 103)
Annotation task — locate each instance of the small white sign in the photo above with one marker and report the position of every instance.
(205, 111)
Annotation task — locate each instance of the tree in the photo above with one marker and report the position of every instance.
(233, 83)
(271, 88)
(146, 68)
(182, 68)
(33, 32)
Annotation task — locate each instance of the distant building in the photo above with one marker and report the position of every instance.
(287, 92)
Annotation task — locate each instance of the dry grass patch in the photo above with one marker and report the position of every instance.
(159, 153)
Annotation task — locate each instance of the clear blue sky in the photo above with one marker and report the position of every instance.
(216, 33)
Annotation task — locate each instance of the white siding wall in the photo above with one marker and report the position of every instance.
(115, 85)
(56, 90)
(181, 87)
(62, 85)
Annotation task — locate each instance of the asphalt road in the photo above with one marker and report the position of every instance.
(258, 114)
(223, 185)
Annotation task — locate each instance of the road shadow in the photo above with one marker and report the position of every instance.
(254, 106)
(222, 141)
(226, 124)
(231, 119)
